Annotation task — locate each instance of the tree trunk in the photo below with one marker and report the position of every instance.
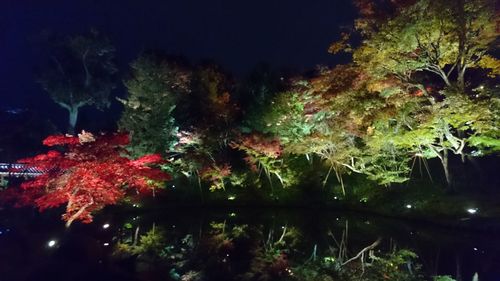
(446, 168)
(458, 275)
(444, 77)
(461, 79)
(73, 117)
(77, 214)
(462, 44)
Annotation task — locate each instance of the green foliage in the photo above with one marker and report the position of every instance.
(153, 91)
(404, 98)
(151, 245)
(283, 116)
(443, 278)
(438, 37)
(392, 266)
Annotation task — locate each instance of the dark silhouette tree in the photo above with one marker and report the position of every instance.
(80, 73)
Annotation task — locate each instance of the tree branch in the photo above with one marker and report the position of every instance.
(367, 248)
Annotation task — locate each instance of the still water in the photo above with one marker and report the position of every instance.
(237, 244)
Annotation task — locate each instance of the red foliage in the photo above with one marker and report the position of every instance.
(256, 145)
(214, 173)
(260, 144)
(87, 177)
(148, 159)
(61, 140)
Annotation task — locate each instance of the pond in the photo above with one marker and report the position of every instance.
(238, 244)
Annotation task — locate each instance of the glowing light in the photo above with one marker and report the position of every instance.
(231, 197)
(232, 214)
(105, 226)
(335, 198)
(51, 243)
(475, 249)
(408, 206)
(472, 211)
(106, 244)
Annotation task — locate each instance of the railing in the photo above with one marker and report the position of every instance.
(18, 170)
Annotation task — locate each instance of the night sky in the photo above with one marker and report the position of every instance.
(236, 34)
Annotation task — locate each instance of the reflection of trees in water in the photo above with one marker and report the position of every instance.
(227, 250)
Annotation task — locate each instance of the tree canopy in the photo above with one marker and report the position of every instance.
(80, 72)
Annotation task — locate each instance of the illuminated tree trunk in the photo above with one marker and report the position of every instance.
(73, 117)
(461, 79)
(445, 162)
(76, 215)
(462, 45)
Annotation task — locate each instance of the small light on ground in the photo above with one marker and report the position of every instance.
(231, 197)
(475, 249)
(51, 243)
(472, 211)
(408, 206)
(106, 244)
(232, 214)
(105, 226)
(335, 198)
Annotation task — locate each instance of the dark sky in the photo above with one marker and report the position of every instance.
(238, 34)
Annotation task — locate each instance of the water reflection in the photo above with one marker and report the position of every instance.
(240, 245)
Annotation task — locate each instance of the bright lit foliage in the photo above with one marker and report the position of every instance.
(92, 173)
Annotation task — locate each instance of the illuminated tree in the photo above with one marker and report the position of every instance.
(264, 155)
(346, 137)
(457, 125)
(80, 73)
(154, 89)
(216, 175)
(444, 38)
(283, 116)
(90, 175)
(407, 44)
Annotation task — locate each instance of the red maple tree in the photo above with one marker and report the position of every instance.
(92, 172)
